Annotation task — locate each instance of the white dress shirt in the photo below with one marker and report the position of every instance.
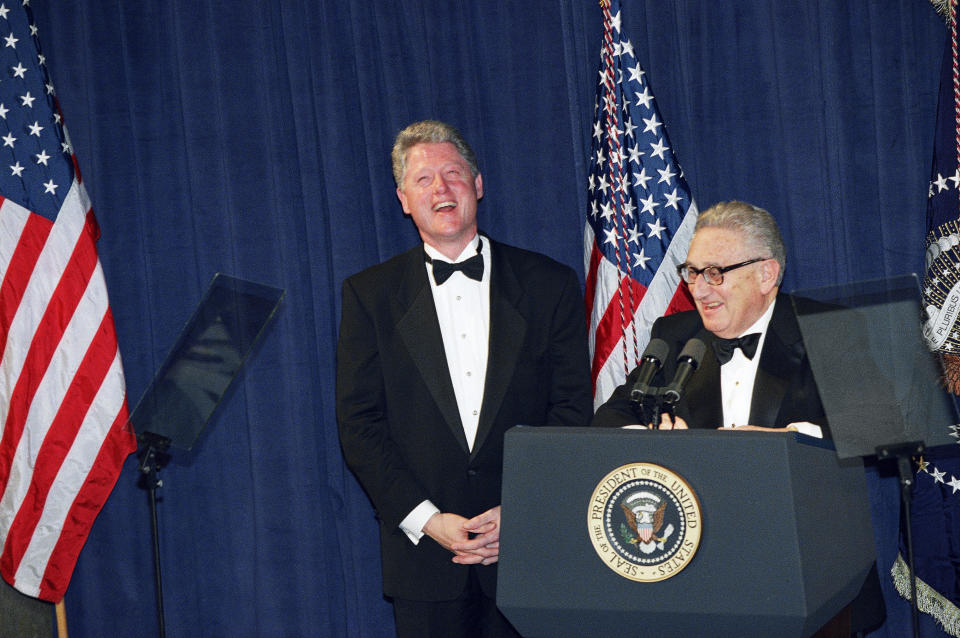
(738, 375)
(463, 310)
(737, 378)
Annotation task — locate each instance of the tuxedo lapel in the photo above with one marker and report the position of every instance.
(419, 328)
(780, 359)
(507, 331)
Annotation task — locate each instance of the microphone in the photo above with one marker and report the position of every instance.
(653, 357)
(687, 363)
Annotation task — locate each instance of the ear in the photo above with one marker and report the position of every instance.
(403, 201)
(478, 185)
(769, 273)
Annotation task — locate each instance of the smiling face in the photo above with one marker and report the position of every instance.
(440, 193)
(732, 307)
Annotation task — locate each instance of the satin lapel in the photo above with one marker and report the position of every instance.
(419, 328)
(507, 331)
(703, 398)
(781, 357)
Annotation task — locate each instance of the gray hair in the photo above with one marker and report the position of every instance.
(432, 132)
(757, 225)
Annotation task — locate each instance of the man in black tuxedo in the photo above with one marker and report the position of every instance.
(734, 269)
(755, 374)
(434, 363)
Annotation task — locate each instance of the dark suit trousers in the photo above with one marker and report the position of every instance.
(471, 615)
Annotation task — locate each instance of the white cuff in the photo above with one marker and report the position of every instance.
(413, 524)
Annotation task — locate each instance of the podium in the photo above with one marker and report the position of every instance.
(783, 531)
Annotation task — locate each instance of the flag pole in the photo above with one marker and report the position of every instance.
(61, 619)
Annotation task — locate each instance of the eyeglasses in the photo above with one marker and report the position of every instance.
(713, 275)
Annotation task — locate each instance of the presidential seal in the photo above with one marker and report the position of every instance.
(644, 522)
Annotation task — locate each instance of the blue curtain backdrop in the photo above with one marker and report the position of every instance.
(253, 137)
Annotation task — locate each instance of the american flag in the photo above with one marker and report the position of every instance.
(63, 407)
(641, 215)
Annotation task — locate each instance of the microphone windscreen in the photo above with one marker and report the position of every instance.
(657, 349)
(694, 350)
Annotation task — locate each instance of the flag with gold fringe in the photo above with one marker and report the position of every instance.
(935, 505)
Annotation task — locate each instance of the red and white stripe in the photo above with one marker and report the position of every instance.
(63, 406)
(607, 290)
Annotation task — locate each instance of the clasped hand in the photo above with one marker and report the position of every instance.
(453, 531)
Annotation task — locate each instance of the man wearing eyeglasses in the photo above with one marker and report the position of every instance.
(755, 374)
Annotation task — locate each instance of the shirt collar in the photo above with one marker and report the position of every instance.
(469, 251)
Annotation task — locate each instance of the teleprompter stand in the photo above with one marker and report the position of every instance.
(193, 379)
(902, 455)
(878, 381)
(153, 456)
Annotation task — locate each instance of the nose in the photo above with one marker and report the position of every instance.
(700, 288)
(440, 184)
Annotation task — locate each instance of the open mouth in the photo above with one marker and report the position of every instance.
(443, 206)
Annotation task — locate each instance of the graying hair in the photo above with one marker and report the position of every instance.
(433, 132)
(757, 225)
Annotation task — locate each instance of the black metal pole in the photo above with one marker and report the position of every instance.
(158, 578)
(152, 457)
(903, 453)
(906, 485)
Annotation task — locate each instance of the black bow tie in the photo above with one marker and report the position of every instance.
(724, 347)
(472, 267)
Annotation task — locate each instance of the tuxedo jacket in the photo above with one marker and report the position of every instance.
(784, 391)
(399, 424)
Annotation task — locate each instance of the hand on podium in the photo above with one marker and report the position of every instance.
(666, 423)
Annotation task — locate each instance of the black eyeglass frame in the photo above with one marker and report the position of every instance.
(716, 271)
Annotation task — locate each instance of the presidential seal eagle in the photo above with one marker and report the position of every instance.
(644, 512)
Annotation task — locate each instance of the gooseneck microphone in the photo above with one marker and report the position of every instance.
(653, 358)
(687, 363)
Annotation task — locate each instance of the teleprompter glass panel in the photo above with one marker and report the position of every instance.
(879, 383)
(207, 356)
